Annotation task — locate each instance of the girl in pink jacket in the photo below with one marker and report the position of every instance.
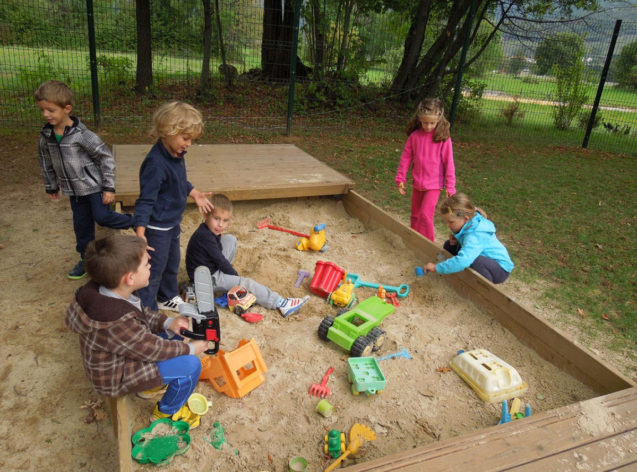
(429, 150)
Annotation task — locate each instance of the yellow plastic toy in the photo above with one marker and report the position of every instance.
(343, 295)
(316, 241)
(358, 433)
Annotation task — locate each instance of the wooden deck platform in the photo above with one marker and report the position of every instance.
(599, 434)
(241, 171)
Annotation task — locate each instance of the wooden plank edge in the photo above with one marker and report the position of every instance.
(533, 432)
(321, 190)
(551, 344)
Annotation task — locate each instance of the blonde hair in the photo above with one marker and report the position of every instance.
(173, 118)
(56, 92)
(431, 107)
(459, 205)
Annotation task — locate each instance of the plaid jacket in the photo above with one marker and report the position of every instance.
(119, 349)
(81, 164)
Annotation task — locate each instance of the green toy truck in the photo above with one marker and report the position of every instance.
(357, 330)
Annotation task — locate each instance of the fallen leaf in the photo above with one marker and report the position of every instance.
(605, 316)
(580, 312)
(443, 370)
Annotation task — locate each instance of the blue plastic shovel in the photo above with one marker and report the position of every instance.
(402, 290)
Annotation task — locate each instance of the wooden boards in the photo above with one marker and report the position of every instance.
(241, 171)
(597, 434)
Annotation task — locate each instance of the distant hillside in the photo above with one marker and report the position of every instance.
(596, 29)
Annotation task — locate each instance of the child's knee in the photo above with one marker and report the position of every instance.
(192, 365)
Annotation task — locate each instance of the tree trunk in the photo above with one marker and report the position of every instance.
(144, 74)
(226, 70)
(317, 46)
(347, 18)
(276, 47)
(272, 19)
(207, 47)
(413, 45)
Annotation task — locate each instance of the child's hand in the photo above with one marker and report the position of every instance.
(140, 232)
(430, 267)
(54, 196)
(201, 199)
(178, 323)
(401, 188)
(108, 198)
(199, 346)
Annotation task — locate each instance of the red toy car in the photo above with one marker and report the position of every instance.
(239, 300)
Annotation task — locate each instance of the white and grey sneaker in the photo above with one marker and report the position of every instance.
(291, 305)
(172, 304)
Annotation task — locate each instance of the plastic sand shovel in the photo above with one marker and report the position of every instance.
(358, 434)
(402, 290)
(266, 224)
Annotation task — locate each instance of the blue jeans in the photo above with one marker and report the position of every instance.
(164, 266)
(181, 374)
(88, 210)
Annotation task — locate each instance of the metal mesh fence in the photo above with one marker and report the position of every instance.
(509, 86)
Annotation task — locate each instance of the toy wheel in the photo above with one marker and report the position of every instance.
(341, 311)
(354, 391)
(238, 310)
(377, 335)
(362, 347)
(324, 327)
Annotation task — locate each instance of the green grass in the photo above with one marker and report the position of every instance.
(544, 87)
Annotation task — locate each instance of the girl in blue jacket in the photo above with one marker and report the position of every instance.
(473, 242)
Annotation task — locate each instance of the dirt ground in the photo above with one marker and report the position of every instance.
(43, 390)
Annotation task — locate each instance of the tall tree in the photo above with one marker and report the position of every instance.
(144, 74)
(437, 32)
(207, 48)
(276, 41)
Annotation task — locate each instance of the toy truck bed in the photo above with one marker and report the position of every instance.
(365, 375)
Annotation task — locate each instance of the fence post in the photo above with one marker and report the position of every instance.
(602, 81)
(295, 45)
(93, 59)
(463, 57)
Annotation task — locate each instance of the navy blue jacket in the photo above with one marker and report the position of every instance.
(163, 189)
(204, 248)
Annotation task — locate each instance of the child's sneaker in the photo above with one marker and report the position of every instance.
(153, 392)
(172, 304)
(185, 414)
(290, 305)
(158, 415)
(78, 271)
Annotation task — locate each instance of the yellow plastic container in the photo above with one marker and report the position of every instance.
(489, 376)
(198, 404)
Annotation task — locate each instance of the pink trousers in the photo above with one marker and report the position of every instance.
(423, 207)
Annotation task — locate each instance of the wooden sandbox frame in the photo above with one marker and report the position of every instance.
(552, 440)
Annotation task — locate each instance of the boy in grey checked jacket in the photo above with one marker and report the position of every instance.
(76, 161)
